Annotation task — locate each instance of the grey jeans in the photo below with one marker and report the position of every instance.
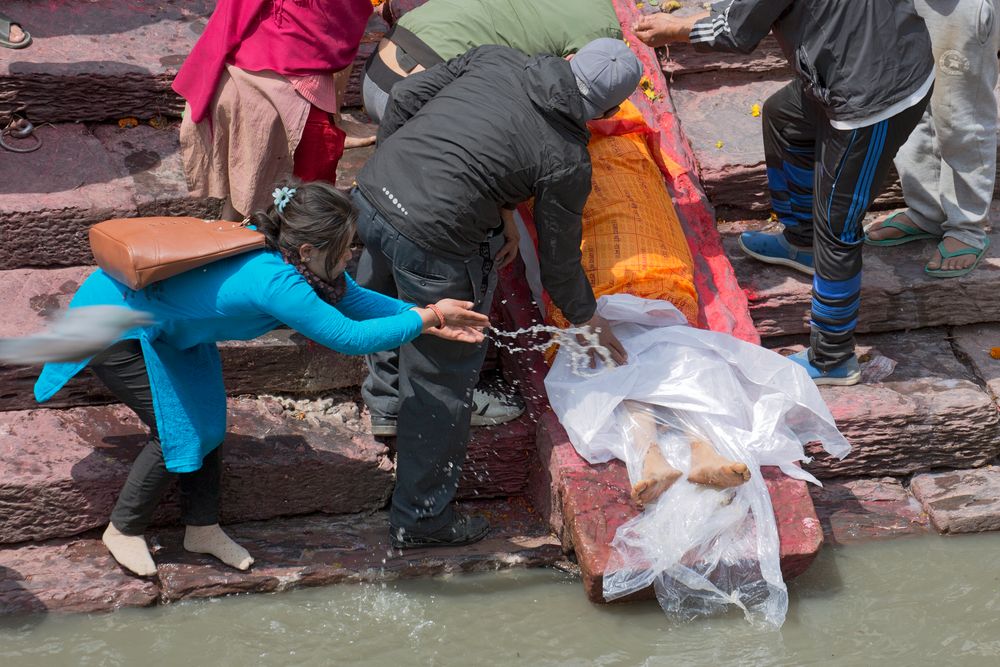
(948, 165)
(427, 383)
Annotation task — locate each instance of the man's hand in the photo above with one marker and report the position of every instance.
(508, 253)
(607, 338)
(660, 29)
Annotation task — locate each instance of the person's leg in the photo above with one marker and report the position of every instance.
(122, 368)
(200, 513)
(320, 148)
(711, 469)
(850, 171)
(789, 130)
(380, 388)
(964, 107)
(436, 380)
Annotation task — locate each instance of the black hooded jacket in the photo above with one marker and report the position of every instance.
(487, 129)
(856, 58)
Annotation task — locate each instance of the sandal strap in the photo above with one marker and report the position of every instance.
(891, 222)
(949, 254)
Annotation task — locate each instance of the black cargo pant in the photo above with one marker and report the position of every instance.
(123, 369)
(427, 384)
(822, 181)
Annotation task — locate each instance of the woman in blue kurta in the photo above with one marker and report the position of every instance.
(171, 375)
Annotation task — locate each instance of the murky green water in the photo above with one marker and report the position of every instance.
(924, 601)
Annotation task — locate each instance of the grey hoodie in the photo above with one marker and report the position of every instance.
(487, 129)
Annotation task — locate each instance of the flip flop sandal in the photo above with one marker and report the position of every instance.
(957, 273)
(911, 233)
(5, 24)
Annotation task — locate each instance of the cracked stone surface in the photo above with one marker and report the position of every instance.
(929, 413)
(78, 575)
(961, 501)
(856, 510)
(974, 345)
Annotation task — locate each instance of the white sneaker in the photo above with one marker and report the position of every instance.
(490, 406)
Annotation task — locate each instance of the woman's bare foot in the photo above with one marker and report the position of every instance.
(212, 540)
(710, 469)
(657, 477)
(130, 551)
(951, 263)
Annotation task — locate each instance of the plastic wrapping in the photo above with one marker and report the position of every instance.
(703, 549)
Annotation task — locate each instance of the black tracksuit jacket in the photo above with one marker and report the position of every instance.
(490, 128)
(856, 57)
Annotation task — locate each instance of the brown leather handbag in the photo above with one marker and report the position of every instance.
(140, 251)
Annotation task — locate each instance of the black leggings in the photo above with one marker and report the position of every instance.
(122, 368)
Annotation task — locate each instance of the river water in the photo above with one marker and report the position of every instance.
(918, 601)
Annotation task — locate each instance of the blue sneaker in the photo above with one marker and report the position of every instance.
(846, 374)
(774, 249)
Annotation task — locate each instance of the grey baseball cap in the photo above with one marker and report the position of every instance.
(606, 73)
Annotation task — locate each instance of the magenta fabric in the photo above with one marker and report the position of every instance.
(290, 37)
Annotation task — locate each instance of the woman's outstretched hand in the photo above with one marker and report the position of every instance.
(461, 323)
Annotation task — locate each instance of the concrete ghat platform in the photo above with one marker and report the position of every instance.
(896, 294)
(586, 504)
(99, 60)
(929, 413)
(79, 575)
(61, 470)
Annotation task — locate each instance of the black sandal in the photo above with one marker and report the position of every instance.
(5, 25)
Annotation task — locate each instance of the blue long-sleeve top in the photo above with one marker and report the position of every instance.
(238, 298)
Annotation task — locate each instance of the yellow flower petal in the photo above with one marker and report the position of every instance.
(755, 110)
(719, 144)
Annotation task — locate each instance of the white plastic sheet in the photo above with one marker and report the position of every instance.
(703, 549)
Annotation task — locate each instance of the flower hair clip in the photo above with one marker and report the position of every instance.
(282, 196)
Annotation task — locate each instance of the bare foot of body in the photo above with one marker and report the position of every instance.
(657, 477)
(952, 263)
(710, 469)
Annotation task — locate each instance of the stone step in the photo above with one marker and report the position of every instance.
(282, 361)
(896, 294)
(715, 112)
(586, 504)
(84, 174)
(98, 60)
(682, 60)
(930, 413)
(78, 575)
(961, 501)
(61, 470)
(858, 510)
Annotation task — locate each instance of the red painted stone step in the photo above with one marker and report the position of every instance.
(587, 504)
(281, 361)
(896, 294)
(78, 575)
(61, 470)
(100, 60)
